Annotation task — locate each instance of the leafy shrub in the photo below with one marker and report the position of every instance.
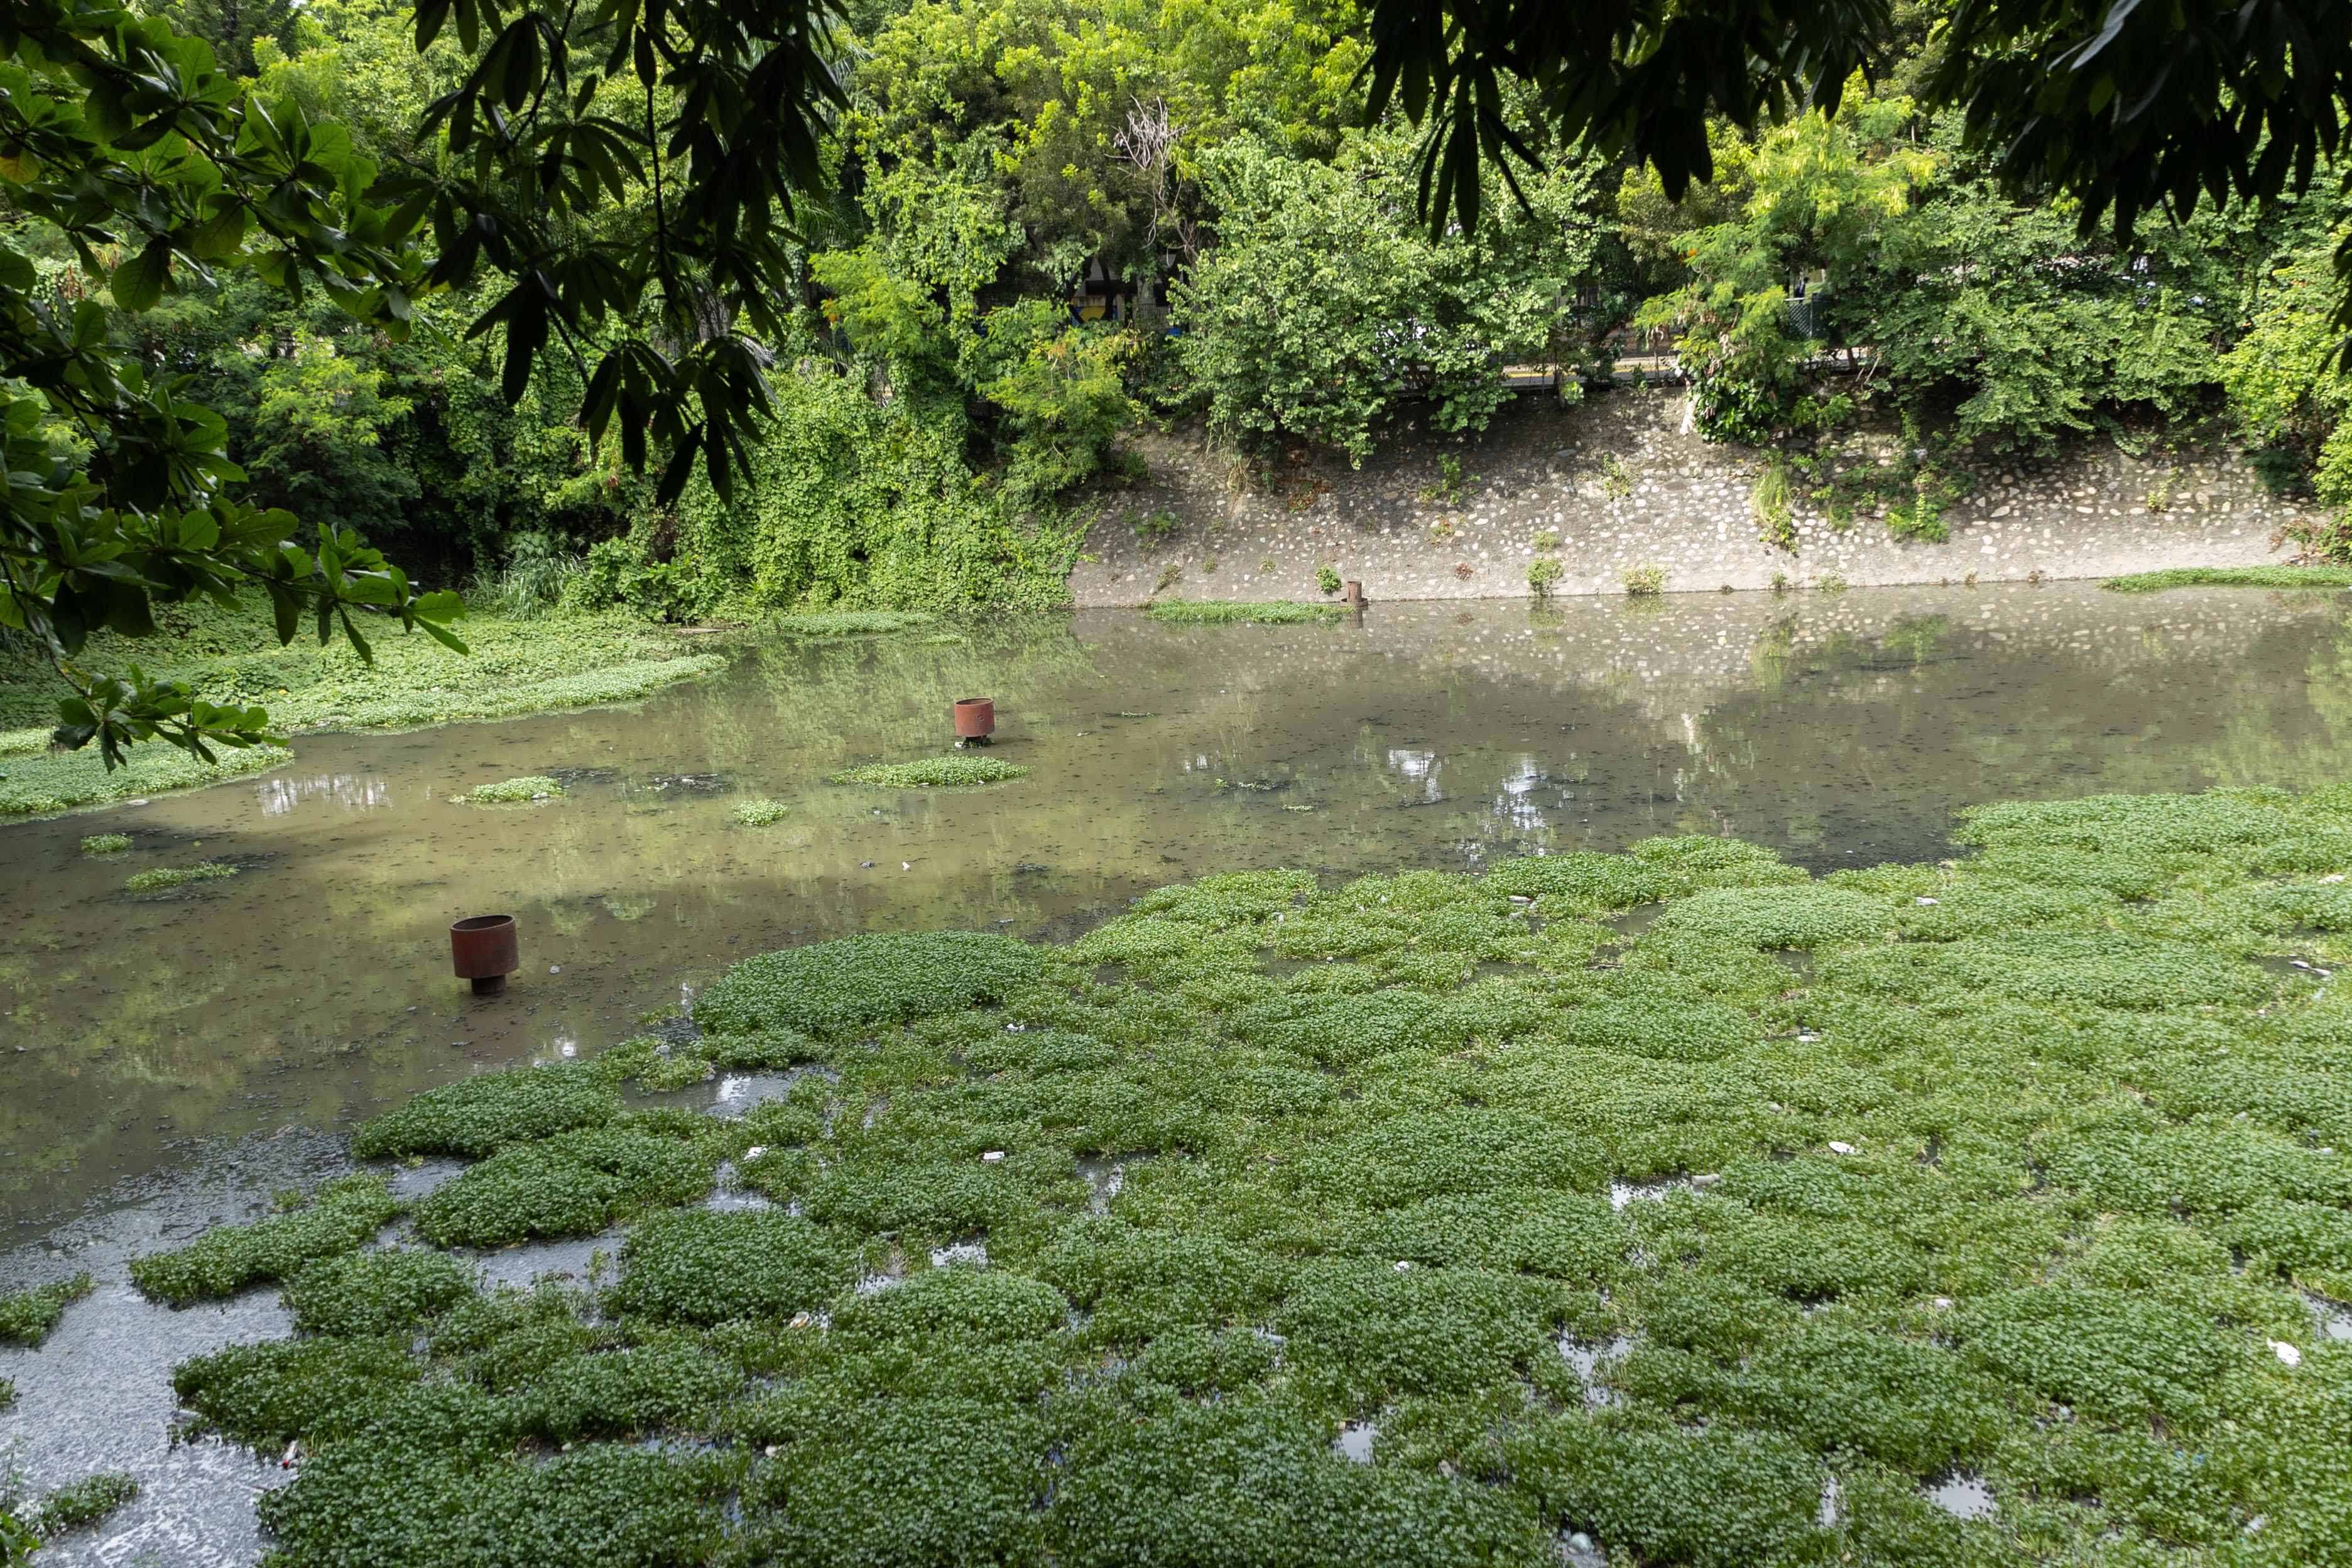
(699, 1266)
(1327, 579)
(1641, 581)
(106, 843)
(988, 1305)
(526, 788)
(1140, 1283)
(1773, 505)
(378, 1500)
(1542, 573)
(537, 575)
(1720, 1499)
(1579, 882)
(345, 1216)
(933, 772)
(920, 1480)
(760, 812)
(265, 1396)
(626, 1393)
(164, 877)
(1380, 1333)
(1667, 1028)
(678, 1070)
(2112, 1354)
(2108, 970)
(574, 1184)
(1616, 478)
(1798, 917)
(363, 1293)
(1251, 1481)
(27, 1316)
(835, 987)
(79, 1504)
(476, 1115)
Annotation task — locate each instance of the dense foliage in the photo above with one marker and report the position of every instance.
(1421, 1218)
(701, 308)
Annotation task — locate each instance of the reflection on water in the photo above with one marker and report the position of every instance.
(280, 792)
(313, 988)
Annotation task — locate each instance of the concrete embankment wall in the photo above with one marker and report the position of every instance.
(1626, 487)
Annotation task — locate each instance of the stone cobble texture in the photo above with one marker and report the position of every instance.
(1626, 489)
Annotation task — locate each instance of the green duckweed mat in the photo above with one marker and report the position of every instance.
(1989, 1212)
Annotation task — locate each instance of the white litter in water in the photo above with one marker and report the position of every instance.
(2287, 1352)
(992, 1156)
(1836, 1148)
(1923, 901)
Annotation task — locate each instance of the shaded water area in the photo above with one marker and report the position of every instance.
(173, 1057)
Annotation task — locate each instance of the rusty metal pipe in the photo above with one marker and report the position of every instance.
(484, 948)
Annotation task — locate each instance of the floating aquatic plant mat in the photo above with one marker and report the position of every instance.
(1424, 1218)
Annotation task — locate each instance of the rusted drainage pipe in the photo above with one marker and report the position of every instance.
(484, 948)
(1354, 595)
(975, 719)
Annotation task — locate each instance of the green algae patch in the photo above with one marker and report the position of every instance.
(822, 624)
(106, 843)
(164, 877)
(515, 666)
(573, 1184)
(2231, 577)
(62, 781)
(835, 987)
(698, 1267)
(79, 1504)
(475, 1116)
(520, 791)
(933, 772)
(345, 1216)
(27, 1316)
(760, 812)
(1216, 613)
(367, 1502)
(363, 1293)
(1414, 1219)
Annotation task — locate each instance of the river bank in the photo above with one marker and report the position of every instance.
(1618, 487)
(516, 665)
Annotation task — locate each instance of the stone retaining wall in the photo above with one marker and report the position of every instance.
(1626, 487)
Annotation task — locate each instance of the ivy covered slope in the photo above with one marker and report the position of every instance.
(1722, 1237)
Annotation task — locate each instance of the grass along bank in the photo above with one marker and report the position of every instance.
(518, 664)
(1734, 1237)
(2232, 577)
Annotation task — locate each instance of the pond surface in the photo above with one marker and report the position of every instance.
(143, 1032)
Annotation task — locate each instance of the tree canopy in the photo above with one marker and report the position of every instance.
(698, 304)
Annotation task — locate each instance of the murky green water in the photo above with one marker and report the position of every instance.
(314, 987)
